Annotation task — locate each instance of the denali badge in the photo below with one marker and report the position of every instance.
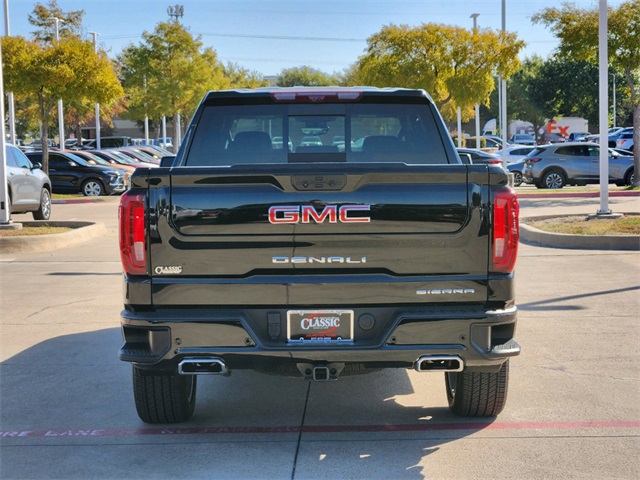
(318, 260)
(309, 214)
(168, 270)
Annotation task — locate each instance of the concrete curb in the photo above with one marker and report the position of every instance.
(82, 232)
(534, 236)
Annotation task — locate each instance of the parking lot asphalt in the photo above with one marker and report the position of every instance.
(66, 406)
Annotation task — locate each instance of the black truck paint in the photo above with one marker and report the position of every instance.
(318, 259)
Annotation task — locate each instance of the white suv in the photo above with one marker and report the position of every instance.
(29, 187)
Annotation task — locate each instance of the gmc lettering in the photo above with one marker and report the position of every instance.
(308, 214)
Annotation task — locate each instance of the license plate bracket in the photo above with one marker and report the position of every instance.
(320, 326)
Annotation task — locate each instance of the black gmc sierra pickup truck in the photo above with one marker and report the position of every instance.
(318, 232)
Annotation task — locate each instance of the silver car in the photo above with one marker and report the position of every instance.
(29, 187)
(578, 163)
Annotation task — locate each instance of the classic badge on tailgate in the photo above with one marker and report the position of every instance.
(320, 325)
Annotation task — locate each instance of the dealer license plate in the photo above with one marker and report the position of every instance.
(328, 326)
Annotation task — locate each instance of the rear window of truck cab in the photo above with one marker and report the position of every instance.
(228, 135)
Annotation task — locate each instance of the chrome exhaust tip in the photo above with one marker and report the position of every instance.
(202, 366)
(439, 363)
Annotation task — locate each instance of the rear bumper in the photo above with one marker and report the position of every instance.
(255, 339)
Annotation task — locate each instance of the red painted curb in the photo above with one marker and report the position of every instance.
(577, 195)
(558, 425)
(73, 200)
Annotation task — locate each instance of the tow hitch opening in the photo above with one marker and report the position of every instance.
(321, 374)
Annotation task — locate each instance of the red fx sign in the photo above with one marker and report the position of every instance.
(551, 126)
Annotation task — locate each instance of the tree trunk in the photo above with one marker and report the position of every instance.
(78, 134)
(44, 116)
(635, 101)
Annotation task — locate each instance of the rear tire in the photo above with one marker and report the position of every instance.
(164, 398)
(476, 394)
(517, 179)
(44, 212)
(554, 179)
(629, 177)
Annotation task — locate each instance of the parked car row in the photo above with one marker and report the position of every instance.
(96, 172)
(71, 174)
(578, 163)
(165, 143)
(618, 138)
(616, 134)
(557, 165)
(92, 173)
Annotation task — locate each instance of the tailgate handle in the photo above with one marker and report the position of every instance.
(318, 182)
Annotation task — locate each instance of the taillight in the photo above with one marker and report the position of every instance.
(133, 244)
(505, 230)
(533, 160)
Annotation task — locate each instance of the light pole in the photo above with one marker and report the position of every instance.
(503, 95)
(60, 104)
(164, 132)
(10, 101)
(146, 116)
(95, 49)
(603, 96)
(459, 128)
(475, 31)
(4, 195)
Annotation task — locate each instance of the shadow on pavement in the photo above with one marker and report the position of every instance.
(551, 303)
(71, 392)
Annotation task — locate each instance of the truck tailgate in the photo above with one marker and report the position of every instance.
(397, 235)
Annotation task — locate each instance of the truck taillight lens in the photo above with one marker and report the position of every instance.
(506, 230)
(133, 237)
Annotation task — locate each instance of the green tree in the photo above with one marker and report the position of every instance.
(455, 65)
(557, 87)
(77, 111)
(42, 17)
(240, 77)
(577, 30)
(305, 76)
(169, 73)
(68, 69)
(349, 76)
(529, 94)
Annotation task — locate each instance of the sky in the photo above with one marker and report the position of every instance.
(269, 36)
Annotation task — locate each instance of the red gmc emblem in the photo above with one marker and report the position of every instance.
(309, 214)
